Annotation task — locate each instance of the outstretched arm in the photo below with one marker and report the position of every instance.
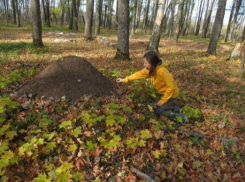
(138, 75)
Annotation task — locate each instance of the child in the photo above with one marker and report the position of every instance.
(163, 82)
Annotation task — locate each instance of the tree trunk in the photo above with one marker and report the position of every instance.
(47, 11)
(36, 23)
(97, 17)
(62, 3)
(75, 16)
(243, 34)
(110, 13)
(89, 19)
(157, 28)
(207, 20)
(145, 22)
(190, 7)
(199, 19)
(17, 14)
(134, 18)
(117, 13)
(123, 30)
(242, 64)
(105, 17)
(217, 27)
(14, 11)
(179, 20)
(139, 8)
(170, 20)
(234, 21)
(71, 16)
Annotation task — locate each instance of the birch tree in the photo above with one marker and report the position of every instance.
(157, 28)
(217, 27)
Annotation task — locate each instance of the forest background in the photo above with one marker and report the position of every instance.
(116, 137)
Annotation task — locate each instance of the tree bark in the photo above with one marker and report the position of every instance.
(14, 11)
(36, 23)
(139, 9)
(145, 22)
(47, 13)
(243, 34)
(123, 30)
(17, 14)
(234, 21)
(105, 15)
(62, 3)
(71, 15)
(157, 28)
(110, 13)
(190, 7)
(198, 24)
(179, 20)
(75, 15)
(217, 27)
(170, 20)
(89, 19)
(134, 18)
(97, 17)
(207, 20)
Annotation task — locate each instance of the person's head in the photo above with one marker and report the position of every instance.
(151, 60)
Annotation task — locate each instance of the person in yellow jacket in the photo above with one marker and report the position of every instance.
(162, 81)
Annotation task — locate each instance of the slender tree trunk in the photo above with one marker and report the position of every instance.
(89, 19)
(217, 27)
(97, 17)
(5, 10)
(17, 13)
(179, 20)
(198, 24)
(229, 22)
(117, 13)
(139, 9)
(205, 17)
(157, 28)
(242, 64)
(134, 18)
(105, 17)
(234, 21)
(47, 13)
(14, 10)
(36, 23)
(71, 16)
(62, 3)
(188, 12)
(145, 22)
(75, 15)
(123, 30)
(243, 34)
(171, 20)
(207, 20)
(110, 13)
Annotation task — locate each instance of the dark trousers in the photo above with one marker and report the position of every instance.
(167, 109)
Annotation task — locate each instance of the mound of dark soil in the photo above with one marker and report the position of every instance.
(71, 77)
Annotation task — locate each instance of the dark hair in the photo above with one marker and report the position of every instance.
(153, 59)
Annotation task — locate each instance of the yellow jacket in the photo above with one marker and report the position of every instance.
(162, 81)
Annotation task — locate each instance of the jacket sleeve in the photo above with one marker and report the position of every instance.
(169, 89)
(138, 75)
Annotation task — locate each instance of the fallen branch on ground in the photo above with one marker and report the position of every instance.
(147, 178)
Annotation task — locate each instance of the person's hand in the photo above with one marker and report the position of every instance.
(158, 104)
(119, 80)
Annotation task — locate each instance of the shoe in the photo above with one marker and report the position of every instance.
(185, 118)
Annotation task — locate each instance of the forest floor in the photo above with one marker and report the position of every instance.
(116, 137)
